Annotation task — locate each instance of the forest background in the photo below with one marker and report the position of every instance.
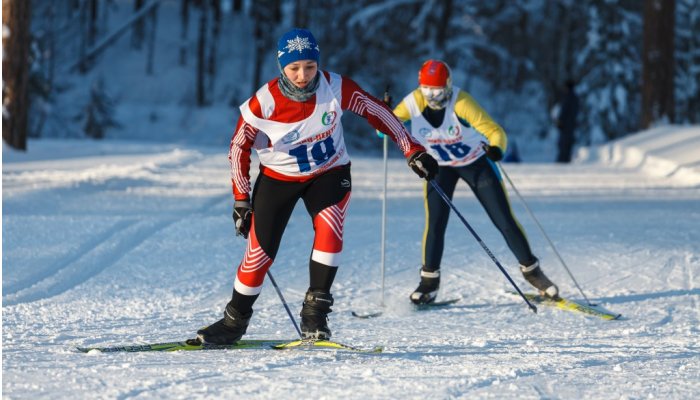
(176, 70)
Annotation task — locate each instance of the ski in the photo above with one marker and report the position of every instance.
(188, 345)
(324, 344)
(196, 344)
(573, 306)
(436, 304)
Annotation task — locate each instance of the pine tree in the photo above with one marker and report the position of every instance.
(610, 70)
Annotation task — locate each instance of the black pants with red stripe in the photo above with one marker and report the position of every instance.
(326, 198)
(484, 180)
(274, 202)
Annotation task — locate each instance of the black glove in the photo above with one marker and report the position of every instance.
(494, 153)
(242, 217)
(424, 165)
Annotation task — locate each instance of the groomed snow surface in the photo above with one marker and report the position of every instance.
(113, 242)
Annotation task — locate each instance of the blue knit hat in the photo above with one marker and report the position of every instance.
(297, 44)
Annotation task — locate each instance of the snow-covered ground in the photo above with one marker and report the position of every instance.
(117, 242)
(667, 151)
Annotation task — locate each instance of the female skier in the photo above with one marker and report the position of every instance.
(293, 122)
(467, 143)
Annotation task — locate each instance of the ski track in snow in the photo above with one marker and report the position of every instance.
(104, 249)
(11, 291)
(125, 247)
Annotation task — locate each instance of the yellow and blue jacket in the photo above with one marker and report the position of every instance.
(467, 110)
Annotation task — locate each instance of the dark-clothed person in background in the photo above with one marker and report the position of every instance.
(566, 122)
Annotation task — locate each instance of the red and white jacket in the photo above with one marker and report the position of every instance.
(296, 141)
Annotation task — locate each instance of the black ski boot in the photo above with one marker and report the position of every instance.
(314, 315)
(227, 330)
(534, 275)
(428, 288)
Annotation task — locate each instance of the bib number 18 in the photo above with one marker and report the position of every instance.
(451, 151)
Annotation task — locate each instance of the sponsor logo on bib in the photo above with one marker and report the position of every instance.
(453, 131)
(328, 117)
(425, 132)
(290, 137)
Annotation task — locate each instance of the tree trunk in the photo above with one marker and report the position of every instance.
(184, 18)
(565, 63)
(214, 42)
(301, 12)
(83, 44)
(92, 27)
(201, 55)
(277, 11)
(443, 27)
(52, 46)
(151, 40)
(137, 34)
(16, 18)
(266, 16)
(259, 54)
(657, 62)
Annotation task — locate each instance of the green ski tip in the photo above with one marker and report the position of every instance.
(324, 344)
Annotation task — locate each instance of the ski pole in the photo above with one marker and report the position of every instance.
(284, 303)
(384, 193)
(387, 101)
(551, 244)
(481, 242)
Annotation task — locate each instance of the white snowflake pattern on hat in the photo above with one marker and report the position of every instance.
(299, 44)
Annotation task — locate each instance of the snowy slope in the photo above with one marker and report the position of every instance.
(122, 242)
(667, 151)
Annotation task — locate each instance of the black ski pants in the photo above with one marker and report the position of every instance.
(484, 180)
(274, 201)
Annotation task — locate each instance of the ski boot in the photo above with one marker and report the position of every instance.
(534, 275)
(314, 315)
(428, 288)
(227, 330)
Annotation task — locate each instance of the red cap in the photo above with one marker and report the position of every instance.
(434, 73)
